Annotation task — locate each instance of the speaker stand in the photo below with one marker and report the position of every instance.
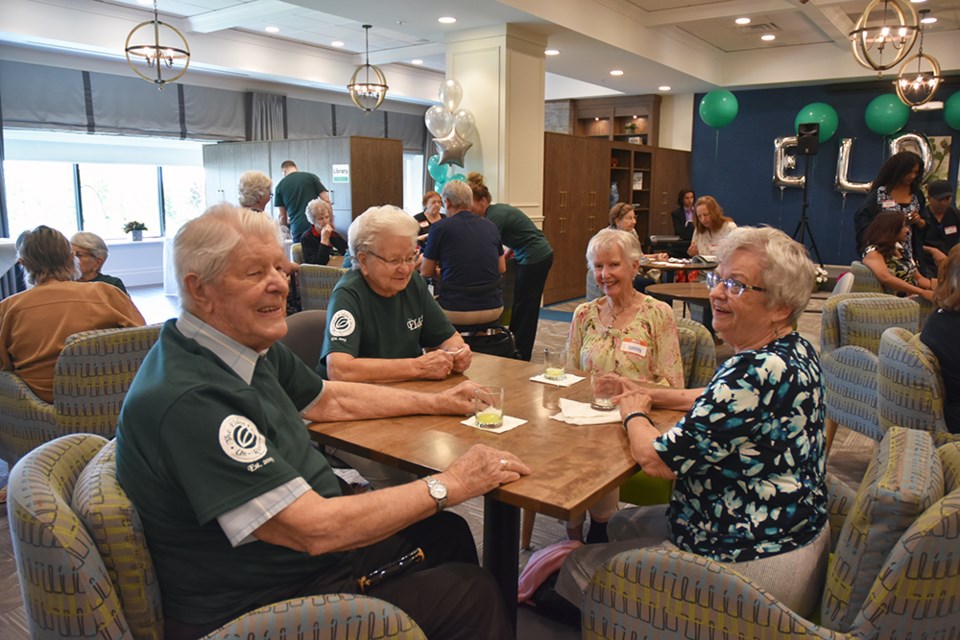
(803, 227)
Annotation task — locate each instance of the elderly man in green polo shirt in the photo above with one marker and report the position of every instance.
(238, 509)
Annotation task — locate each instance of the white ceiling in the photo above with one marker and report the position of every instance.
(690, 45)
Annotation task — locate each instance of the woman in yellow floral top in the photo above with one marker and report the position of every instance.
(624, 332)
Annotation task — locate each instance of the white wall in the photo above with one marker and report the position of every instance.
(676, 122)
(136, 263)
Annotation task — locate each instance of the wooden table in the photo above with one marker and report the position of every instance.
(670, 268)
(571, 465)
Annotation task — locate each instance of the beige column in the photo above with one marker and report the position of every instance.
(501, 70)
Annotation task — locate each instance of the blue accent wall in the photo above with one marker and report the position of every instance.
(735, 164)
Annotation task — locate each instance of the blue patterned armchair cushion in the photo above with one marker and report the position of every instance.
(850, 379)
(903, 479)
(317, 283)
(115, 527)
(698, 353)
(860, 318)
(909, 383)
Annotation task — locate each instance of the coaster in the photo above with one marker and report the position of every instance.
(509, 423)
(568, 380)
(580, 413)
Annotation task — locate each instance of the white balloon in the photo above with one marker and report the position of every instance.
(783, 161)
(439, 121)
(451, 93)
(464, 123)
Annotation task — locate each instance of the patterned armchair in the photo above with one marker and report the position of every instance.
(909, 383)
(850, 331)
(70, 521)
(865, 282)
(317, 283)
(895, 570)
(91, 379)
(296, 252)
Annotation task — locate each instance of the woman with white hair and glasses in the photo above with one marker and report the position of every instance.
(91, 252)
(321, 240)
(747, 460)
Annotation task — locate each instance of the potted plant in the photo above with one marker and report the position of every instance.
(136, 228)
(820, 278)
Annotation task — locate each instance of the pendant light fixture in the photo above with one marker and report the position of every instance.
(155, 58)
(891, 32)
(368, 86)
(916, 88)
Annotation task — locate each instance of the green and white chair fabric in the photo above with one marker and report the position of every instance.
(91, 379)
(909, 383)
(317, 283)
(895, 571)
(85, 570)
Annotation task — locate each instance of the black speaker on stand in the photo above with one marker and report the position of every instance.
(808, 144)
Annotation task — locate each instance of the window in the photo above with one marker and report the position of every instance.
(182, 196)
(413, 182)
(40, 193)
(114, 194)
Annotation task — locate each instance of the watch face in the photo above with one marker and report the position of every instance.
(438, 490)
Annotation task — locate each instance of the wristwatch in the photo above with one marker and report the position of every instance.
(438, 491)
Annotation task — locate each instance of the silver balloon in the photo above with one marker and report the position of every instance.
(783, 161)
(842, 183)
(451, 93)
(919, 144)
(464, 122)
(439, 121)
(452, 148)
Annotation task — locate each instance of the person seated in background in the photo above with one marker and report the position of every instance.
(940, 333)
(748, 459)
(941, 222)
(35, 324)
(685, 215)
(321, 240)
(382, 323)
(623, 332)
(624, 218)
(710, 228)
(238, 508)
(430, 216)
(884, 255)
(91, 252)
(254, 189)
(464, 253)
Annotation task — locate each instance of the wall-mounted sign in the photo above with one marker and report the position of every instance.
(341, 173)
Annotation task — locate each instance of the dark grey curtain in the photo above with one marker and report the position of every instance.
(266, 116)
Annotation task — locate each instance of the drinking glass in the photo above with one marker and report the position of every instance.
(605, 386)
(554, 363)
(488, 407)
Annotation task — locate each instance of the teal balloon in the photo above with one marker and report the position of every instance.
(951, 111)
(886, 114)
(435, 169)
(821, 113)
(438, 184)
(718, 108)
(457, 176)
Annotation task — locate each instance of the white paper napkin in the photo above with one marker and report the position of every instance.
(568, 380)
(509, 422)
(573, 412)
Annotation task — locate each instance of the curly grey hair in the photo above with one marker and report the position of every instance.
(376, 222)
(91, 243)
(252, 187)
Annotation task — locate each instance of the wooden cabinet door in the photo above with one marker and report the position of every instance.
(559, 195)
(671, 172)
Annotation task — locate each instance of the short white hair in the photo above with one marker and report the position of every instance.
(627, 242)
(316, 207)
(459, 194)
(252, 187)
(376, 222)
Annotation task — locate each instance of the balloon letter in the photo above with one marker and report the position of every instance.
(843, 166)
(782, 161)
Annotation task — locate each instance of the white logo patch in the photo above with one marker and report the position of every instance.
(342, 324)
(241, 440)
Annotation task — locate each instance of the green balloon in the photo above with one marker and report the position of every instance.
(951, 111)
(886, 114)
(718, 108)
(821, 113)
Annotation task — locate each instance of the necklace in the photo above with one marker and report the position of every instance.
(616, 314)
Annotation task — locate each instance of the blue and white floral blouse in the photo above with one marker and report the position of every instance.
(749, 457)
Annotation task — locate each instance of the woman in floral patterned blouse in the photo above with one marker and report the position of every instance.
(623, 332)
(748, 457)
(885, 256)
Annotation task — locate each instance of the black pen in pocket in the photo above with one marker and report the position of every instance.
(377, 576)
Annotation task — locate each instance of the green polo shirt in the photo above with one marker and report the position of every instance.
(518, 232)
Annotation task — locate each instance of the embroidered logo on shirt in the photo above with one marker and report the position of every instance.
(241, 440)
(342, 324)
(414, 323)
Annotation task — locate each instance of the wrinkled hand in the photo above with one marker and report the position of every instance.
(458, 400)
(634, 401)
(482, 469)
(661, 256)
(462, 357)
(325, 234)
(435, 365)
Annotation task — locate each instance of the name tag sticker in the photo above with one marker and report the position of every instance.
(888, 204)
(634, 347)
(951, 230)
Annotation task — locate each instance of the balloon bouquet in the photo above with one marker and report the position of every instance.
(450, 128)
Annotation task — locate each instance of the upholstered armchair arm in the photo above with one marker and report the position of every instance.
(850, 377)
(26, 421)
(337, 616)
(659, 593)
(839, 500)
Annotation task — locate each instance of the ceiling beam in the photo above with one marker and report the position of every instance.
(715, 11)
(235, 16)
(832, 21)
(402, 54)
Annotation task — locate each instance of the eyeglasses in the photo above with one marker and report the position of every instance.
(395, 262)
(734, 287)
(81, 254)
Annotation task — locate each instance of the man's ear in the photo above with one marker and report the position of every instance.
(199, 292)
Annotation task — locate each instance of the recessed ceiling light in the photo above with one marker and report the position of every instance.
(336, 43)
(768, 37)
(917, 1)
(551, 52)
(616, 72)
(928, 20)
(446, 20)
(416, 61)
(272, 29)
(743, 20)
(664, 87)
